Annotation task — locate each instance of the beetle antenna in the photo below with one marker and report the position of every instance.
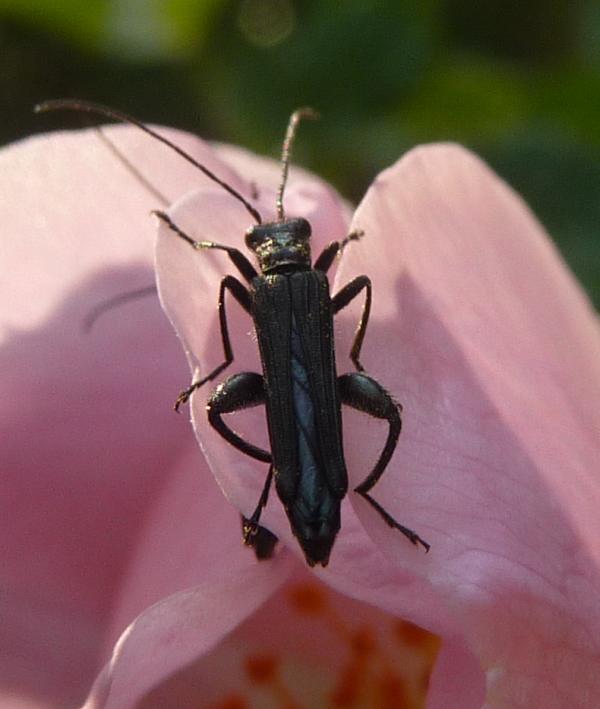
(96, 108)
(115, 301)
(286, 152)
(130, 167)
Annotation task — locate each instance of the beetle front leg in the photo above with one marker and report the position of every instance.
(335, 248)
(241, 294)
(237, 257)
(363, 393)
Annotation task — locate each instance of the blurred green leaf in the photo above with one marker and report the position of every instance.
(132, 29)
(468, 99)
(561, 182)
(73, 20)
(191, 23)
(569, 98)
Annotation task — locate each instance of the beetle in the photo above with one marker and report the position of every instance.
(289, 301)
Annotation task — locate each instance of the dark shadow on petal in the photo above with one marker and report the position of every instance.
(89, 437)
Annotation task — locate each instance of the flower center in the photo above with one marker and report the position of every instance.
(363, 658)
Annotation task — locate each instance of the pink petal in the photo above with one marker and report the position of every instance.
(311, 639)
(481, 333)
(457, 679)
(93, 457)
(188, 282)
(185, 626)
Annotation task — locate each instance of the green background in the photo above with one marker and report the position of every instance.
(518, 81)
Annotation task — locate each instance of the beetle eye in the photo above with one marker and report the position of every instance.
(303, 228)
(252, 239)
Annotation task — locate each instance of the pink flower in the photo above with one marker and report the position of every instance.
(110, 512)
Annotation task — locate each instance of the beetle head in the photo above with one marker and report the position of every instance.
(279, 245)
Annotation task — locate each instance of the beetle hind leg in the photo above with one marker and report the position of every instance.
(363, 393)
(387, 517)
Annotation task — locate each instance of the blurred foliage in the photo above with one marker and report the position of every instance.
(517, 81)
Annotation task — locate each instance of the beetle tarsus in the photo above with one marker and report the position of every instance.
(387, 517)
(352, 236)
(184, 396)
(261, 540)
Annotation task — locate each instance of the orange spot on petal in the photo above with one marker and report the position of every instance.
(363, 642)
(233, 701)
(409, 633)
(262, 669)
(308, 598)
(393, 692)
(348, 688)
(413, 636)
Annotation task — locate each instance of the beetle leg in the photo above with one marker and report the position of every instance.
(261, 539)
(237, 257)
(240, 391)
(341, 299)
(363, 393)
(243, 391)
(335, 248)
(239, 292)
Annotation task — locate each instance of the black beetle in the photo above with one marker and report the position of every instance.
(292, 310)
